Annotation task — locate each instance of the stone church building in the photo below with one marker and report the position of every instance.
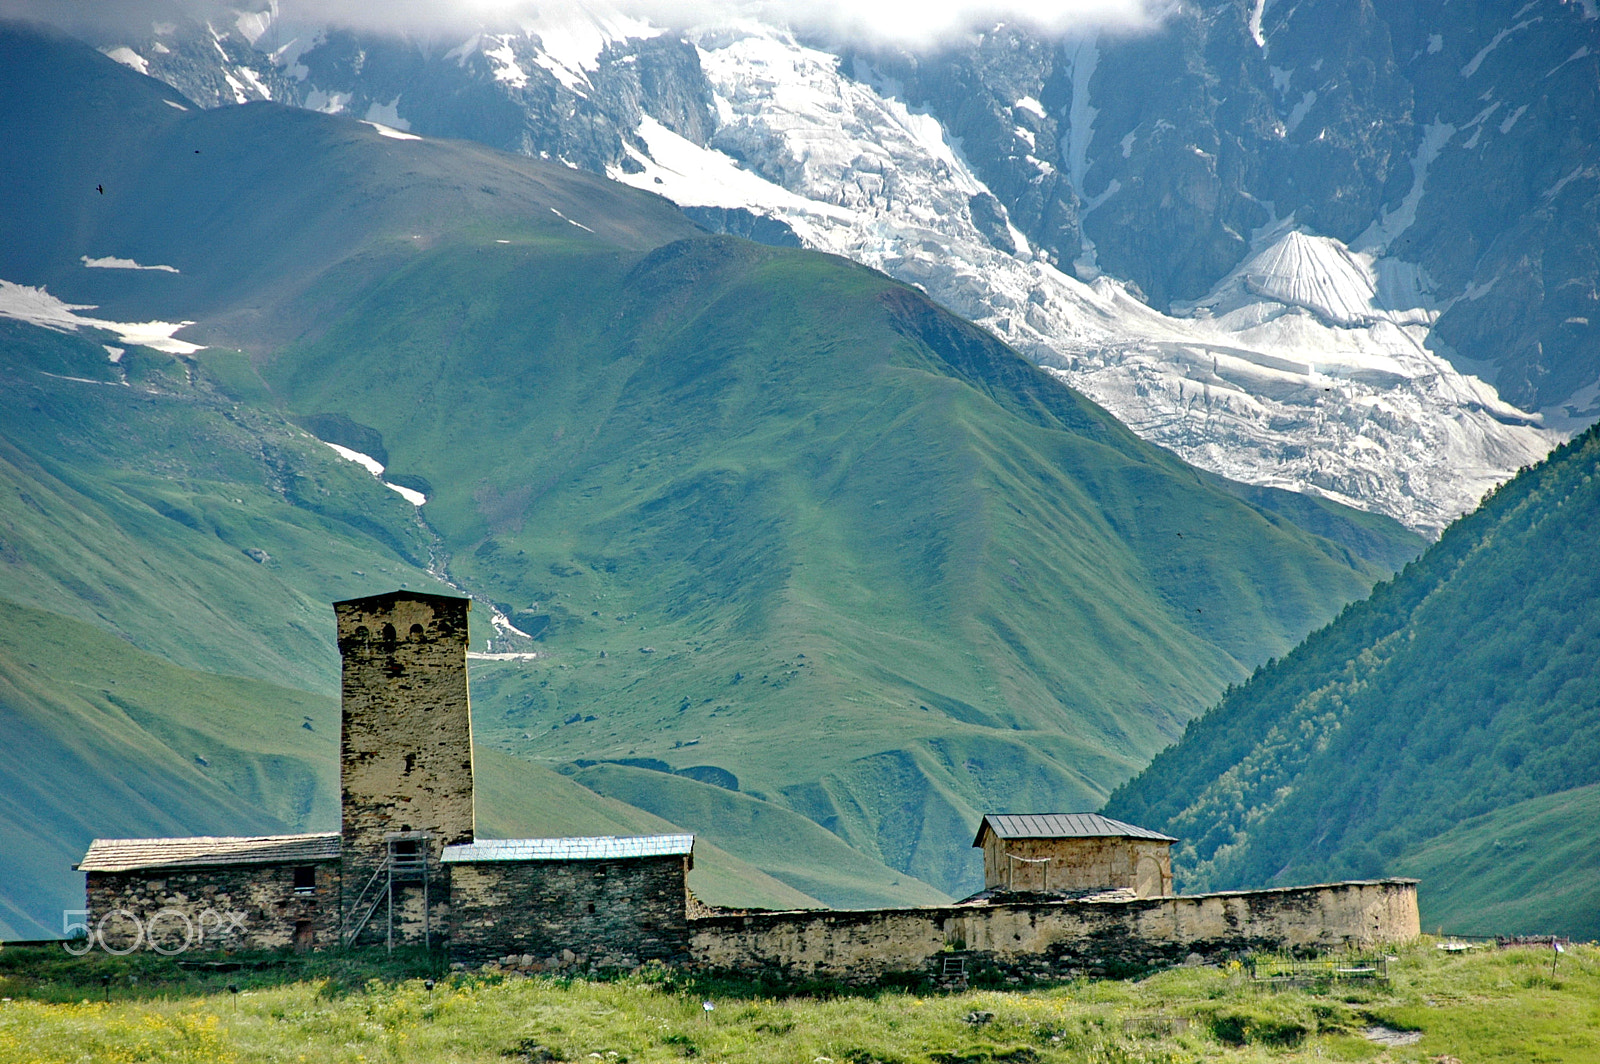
(406, 866)
(1064, 893)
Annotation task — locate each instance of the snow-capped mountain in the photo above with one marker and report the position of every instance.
(1283, 274)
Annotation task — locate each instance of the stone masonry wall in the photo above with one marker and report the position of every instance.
(406, 741)
(1141, 865)
(593, 914)
(232, 907)
(1056, 939)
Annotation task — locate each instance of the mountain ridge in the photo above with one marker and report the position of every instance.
(1040, 164)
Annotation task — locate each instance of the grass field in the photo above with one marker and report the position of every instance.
(1487, 1005)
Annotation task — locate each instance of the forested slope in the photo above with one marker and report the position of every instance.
(1463, 687)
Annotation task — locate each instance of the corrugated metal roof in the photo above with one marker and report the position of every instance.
(593, 848)
(1062, 826)
(126, 855)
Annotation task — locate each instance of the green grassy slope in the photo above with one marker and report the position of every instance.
(250, 204)
(768, 518)
(102, 739)
(1461, 689)
(517, 800)
(779, 508)
(1525, 868)
(132, 506)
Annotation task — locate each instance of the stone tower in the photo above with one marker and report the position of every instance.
(405, 759)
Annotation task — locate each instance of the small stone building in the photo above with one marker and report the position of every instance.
(1053, 852)
(171, 895)
(602, 902)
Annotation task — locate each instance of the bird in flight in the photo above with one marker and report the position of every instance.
(100, 189)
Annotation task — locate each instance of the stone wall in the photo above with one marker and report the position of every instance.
(1100, 862)
(233, 907)
(1056, 939)
(406, 740)
(591, 914)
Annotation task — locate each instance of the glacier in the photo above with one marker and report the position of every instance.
(1312, 366)
(1308, 368)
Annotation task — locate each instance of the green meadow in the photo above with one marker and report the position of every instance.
(1476, 1006)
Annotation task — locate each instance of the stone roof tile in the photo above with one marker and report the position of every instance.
(126, 855)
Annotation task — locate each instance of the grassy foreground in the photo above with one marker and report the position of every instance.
(1481, 1006)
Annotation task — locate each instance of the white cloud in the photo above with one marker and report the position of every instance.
(907, 22)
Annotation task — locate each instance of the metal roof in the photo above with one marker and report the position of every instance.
(592, 848)
(126, 855)
(1062, 826)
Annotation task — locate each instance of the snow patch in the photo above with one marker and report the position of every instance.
(569, 221)
(249, 74)
(1259, 9)
(175, 103)
(252, 24)
(1280, 78)
(329, 103)
(1511, 119)
(390, 131)
(1581, 53)
(1080, 119)
(1483, 53)
(415, 498)
(1029, 104)
(130, 58)
(1314, 272)
(365, 461)
(1435, 43)
(1298, 113)
(574, 37)
(460, 52)
(1555, 190)
(692, 176)
(1382, 233)
(113, 263)
(387, 114)
(38, 307)
(375, 467)
(114, 354)
(502, 624)
(239, 94)
(287, 56)
(503, 63)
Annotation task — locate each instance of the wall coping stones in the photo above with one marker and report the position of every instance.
(583, 848)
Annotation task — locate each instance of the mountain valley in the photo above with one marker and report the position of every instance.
(925, 432)
(758, 536)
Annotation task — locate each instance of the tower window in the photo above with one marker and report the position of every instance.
(305, 880)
